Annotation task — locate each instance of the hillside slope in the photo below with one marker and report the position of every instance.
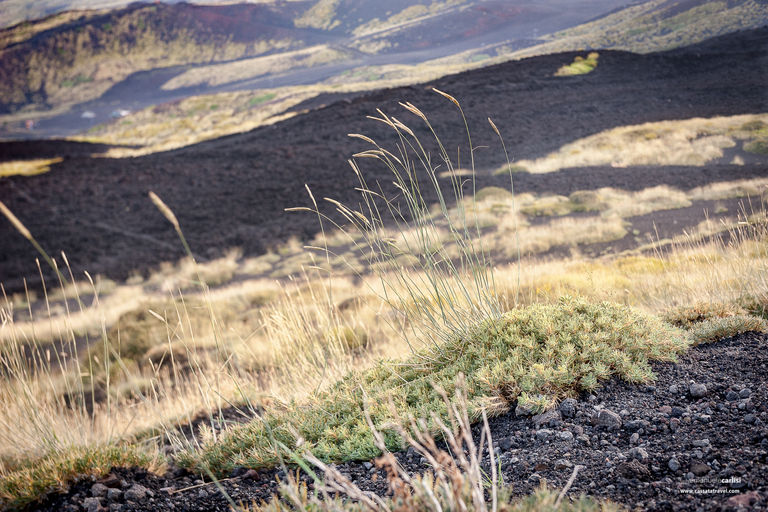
(657, 25)
(74, 57)
(233, 191)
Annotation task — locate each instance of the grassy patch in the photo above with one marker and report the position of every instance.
(689, 142)
(27, 167)
(58, 471)
(580, 66)
(758, 147)
(534, 355)
(712, 321)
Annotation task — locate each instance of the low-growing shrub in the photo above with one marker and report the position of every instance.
(531, 356)
(757, 146)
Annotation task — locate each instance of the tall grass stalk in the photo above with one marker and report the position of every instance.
(434, 294)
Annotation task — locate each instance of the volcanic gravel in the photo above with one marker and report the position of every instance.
(232, 192)
(694, 439)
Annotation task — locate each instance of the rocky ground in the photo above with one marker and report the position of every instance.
(695, 439)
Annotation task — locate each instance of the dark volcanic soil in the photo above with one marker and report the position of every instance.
(233, 191)
(669, 445)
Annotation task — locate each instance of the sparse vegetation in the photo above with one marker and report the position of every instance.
(580, 65)
(758, 147)
(27, 167)
(533, 356)
(196, 336)
(654, 26)
(688, 142)
(458, 483)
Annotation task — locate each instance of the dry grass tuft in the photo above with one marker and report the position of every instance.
(691, 142)
(27, 167)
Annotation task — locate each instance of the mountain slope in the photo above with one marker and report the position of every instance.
(82, 56)
(657, 25)
(233, 191)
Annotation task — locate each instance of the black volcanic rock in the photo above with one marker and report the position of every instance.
(233, 191)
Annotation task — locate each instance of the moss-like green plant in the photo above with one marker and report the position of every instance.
(587, 201)
(716, 329)
(580, 66)
(686, 317)
(712, 321)
(757, 146)
(58, 471)
(534, 355)
(755, 125)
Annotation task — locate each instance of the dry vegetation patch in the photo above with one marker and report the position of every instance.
(689, 142)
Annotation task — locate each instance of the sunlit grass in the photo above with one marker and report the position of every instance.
(690, 142)
(27, 167)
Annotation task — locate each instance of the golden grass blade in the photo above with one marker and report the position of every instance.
(454, 100)
(164, 209)
(15, 221)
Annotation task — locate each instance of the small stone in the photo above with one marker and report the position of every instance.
(136, 493)
(167, 490)
(202, 494)
(673, 389)
(633, 469)
(674, 424)
(673, 464)
(637, 425)
(577, 430)
(543, 434)
(110, 481)
(677, 412)
(698, 390)
(750, 419)
(584, 439)
(702, 443)
(607, 419)
(689, 476)
(524, 410)
(744, 501)
(116, 507)
(565, 436)
(568, 407)
(115, 494)
(563, 464)
(744, 393)
(238, 472)
(550, 418)
(732, 396)
(99, 490)
(535, 478)
(639, 454)
(700, 469)
(367, 465)
(737, 482)
(665, 409)
(592, 398)
(252, 474)
(92, 505)
(634, 438)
